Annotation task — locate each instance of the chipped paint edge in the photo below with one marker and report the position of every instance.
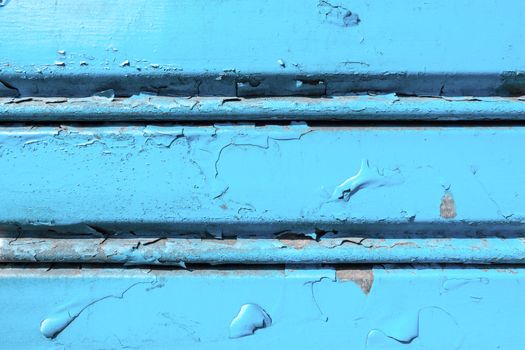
(389, 107)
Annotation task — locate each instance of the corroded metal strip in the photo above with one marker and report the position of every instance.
(228, 180)
(436, 307)
(157, 108)
(179, 251)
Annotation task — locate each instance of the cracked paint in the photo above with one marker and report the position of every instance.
(351, 31)
(156, 176)
(161, 205)
(122, 249)
(55, 323)
(311, 307)
(140, 107)
(338, 14)
(451, 284)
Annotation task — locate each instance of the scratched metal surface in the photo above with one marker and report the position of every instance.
(443, 308)
(247, 180)
(263, 47)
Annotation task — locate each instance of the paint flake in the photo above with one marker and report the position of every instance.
(250, 318)
(54, 324)
(366, 177)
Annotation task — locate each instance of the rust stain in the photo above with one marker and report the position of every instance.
(363, 277)
(230, 271)
(447, 208)
(225, 241)
(296, 243)
(404, 243)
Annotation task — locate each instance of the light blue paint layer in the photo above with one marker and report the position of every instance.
(455, 47)
(450, 308)
(236, 180)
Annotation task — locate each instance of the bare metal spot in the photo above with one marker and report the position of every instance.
(296, 243)
(447, 208)
(364, 278)
(226, 241)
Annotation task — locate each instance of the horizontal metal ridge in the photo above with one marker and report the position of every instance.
(331, 250)
(57, 82)
(144, 107)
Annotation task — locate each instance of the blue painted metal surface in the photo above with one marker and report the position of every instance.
(224, 179)
(269, 47)
(388, 107)
(453, 247)
(312, 224)
(380, 308)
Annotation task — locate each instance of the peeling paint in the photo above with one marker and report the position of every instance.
(447, 208)
(364, 31)
(8, 90)
(55, 323)
(120, 249)
(406, 329)
(405, 309)
(250, 318)
(367, 177)
(193, 165)
(140, 107)
(364, 278)
(209, 217)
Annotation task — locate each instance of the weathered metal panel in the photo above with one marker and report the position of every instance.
(283, 209)
(247, 180)
(263, 47)
(429, 307)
